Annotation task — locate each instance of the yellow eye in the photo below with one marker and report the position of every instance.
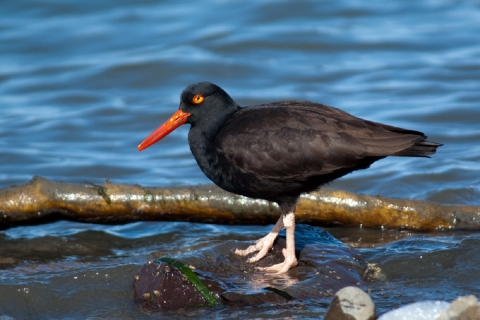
(198, 98)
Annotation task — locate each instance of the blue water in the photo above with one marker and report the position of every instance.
(83, 83)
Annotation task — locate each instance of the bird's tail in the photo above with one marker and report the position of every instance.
(422, 148)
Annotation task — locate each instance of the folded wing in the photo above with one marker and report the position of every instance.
(298, 141)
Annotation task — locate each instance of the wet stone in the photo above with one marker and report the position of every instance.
(167, 290)
(253, 299)
(351, 303)
(232, 280)
(463, 308)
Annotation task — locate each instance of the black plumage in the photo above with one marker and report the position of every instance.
(279, 150)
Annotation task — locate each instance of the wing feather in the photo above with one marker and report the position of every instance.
(296, 141)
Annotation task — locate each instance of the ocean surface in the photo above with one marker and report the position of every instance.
(83, 83)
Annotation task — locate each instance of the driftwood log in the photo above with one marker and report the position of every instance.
(42, 200)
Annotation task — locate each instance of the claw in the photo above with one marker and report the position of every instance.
(282, 267)
(262, 245)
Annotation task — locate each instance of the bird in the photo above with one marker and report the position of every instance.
(280, 150)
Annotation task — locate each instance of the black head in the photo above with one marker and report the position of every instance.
(206, 102)
(204, 105)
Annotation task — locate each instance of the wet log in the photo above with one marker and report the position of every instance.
(43, 200)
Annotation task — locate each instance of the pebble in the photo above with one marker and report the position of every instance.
(351, 303)
(463, 308)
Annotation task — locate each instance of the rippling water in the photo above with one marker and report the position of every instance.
(81, 84)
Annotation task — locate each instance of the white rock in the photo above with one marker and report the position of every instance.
(351, 302)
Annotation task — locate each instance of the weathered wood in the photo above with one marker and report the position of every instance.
(42, 200)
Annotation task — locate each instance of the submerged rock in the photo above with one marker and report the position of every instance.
(160, 285)
(325, 266)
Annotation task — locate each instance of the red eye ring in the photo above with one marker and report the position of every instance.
(198, 98)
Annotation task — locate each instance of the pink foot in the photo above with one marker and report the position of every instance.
(283, 267)
(262, 245)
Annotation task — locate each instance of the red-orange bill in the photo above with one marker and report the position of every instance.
(171, 124)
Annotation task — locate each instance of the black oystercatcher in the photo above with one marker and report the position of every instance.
(279, 150)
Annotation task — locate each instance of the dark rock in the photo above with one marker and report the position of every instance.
(160, 285)
(253, 299)
(325, 266)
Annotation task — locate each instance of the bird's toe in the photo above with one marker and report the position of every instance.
(262, 245)
(281, 267)
(250, 249)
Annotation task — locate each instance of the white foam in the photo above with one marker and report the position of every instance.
(417, 311)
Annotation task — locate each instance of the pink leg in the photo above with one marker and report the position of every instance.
(289, 253)
(264, 244)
